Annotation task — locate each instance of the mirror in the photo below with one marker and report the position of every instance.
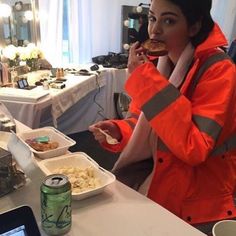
(18, 22)
(135, 25)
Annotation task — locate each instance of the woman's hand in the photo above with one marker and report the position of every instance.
(136, 57)
(107, 126)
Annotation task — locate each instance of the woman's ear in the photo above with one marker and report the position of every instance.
(194, 29)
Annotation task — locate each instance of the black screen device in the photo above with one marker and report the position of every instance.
(19, 221)
(94, 67)
(23, 84)
(84, 72)
(20, 84)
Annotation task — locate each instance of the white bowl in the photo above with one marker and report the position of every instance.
(80, 160)
(54, 135)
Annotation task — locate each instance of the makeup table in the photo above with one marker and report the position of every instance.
(84, 101)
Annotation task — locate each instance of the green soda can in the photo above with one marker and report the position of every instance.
(56, 204)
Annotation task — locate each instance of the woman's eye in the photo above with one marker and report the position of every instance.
(151, 18)
(169, 21)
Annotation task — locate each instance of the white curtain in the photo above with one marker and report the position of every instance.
(51, 20)
(224, 13)
(79, 29)
(96, 27)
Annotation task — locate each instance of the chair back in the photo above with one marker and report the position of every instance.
(232, 51)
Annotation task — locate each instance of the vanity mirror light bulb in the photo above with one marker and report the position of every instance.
(126, 23)
(29, 15)
(139, 9)
(26, 42)
(126, 46)
(5, 10)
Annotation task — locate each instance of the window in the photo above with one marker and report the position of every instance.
(65, 41)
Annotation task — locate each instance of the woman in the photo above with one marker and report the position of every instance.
(188, 115)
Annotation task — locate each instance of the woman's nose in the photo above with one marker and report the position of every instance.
(155, 28)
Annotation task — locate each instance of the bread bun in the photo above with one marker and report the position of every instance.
(154, 47)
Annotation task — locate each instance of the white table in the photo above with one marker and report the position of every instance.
(117, 211)
(72, 109)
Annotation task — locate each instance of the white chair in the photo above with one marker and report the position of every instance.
(122, 101)
(224, 228)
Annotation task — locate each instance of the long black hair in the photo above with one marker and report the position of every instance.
(194, 11)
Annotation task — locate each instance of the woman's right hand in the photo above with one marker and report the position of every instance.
(107, 126)
(136, 57)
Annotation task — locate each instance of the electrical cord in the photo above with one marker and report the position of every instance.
(101, 110)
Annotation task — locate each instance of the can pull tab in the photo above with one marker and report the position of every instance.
(56, 180)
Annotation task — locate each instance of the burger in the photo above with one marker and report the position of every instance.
(153, 47)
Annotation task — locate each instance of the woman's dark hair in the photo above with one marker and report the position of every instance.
(195, 10)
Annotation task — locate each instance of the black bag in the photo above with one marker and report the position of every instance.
(116, 60)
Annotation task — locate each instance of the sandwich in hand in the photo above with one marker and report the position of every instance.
(154, 48)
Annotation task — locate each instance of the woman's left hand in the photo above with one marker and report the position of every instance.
(136, 57)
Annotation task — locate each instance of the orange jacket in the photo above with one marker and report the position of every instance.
(195, 174)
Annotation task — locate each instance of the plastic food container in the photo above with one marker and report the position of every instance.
(54, 135)
(80, 160)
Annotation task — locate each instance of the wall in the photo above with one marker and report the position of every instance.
(224, 13)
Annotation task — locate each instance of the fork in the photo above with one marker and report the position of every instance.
(109, 139)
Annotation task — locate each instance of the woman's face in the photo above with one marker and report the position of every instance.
(168, 24)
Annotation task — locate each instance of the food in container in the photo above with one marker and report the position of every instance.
(42, 143)
(53, 135)
(79, 162)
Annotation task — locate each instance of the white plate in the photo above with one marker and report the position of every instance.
(80, 160)
(54, 135)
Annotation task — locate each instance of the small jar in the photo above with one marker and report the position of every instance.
(7, 127)
(4, 119)
(45, 85)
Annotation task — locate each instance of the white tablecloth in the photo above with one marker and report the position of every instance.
(73, 108)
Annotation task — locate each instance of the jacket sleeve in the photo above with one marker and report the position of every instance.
(190, 129)
(126, 127)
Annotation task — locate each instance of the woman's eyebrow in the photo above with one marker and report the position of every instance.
(169, 13)
(150, 11)
(164, 13)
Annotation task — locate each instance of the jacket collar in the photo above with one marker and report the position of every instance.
(215, 39)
